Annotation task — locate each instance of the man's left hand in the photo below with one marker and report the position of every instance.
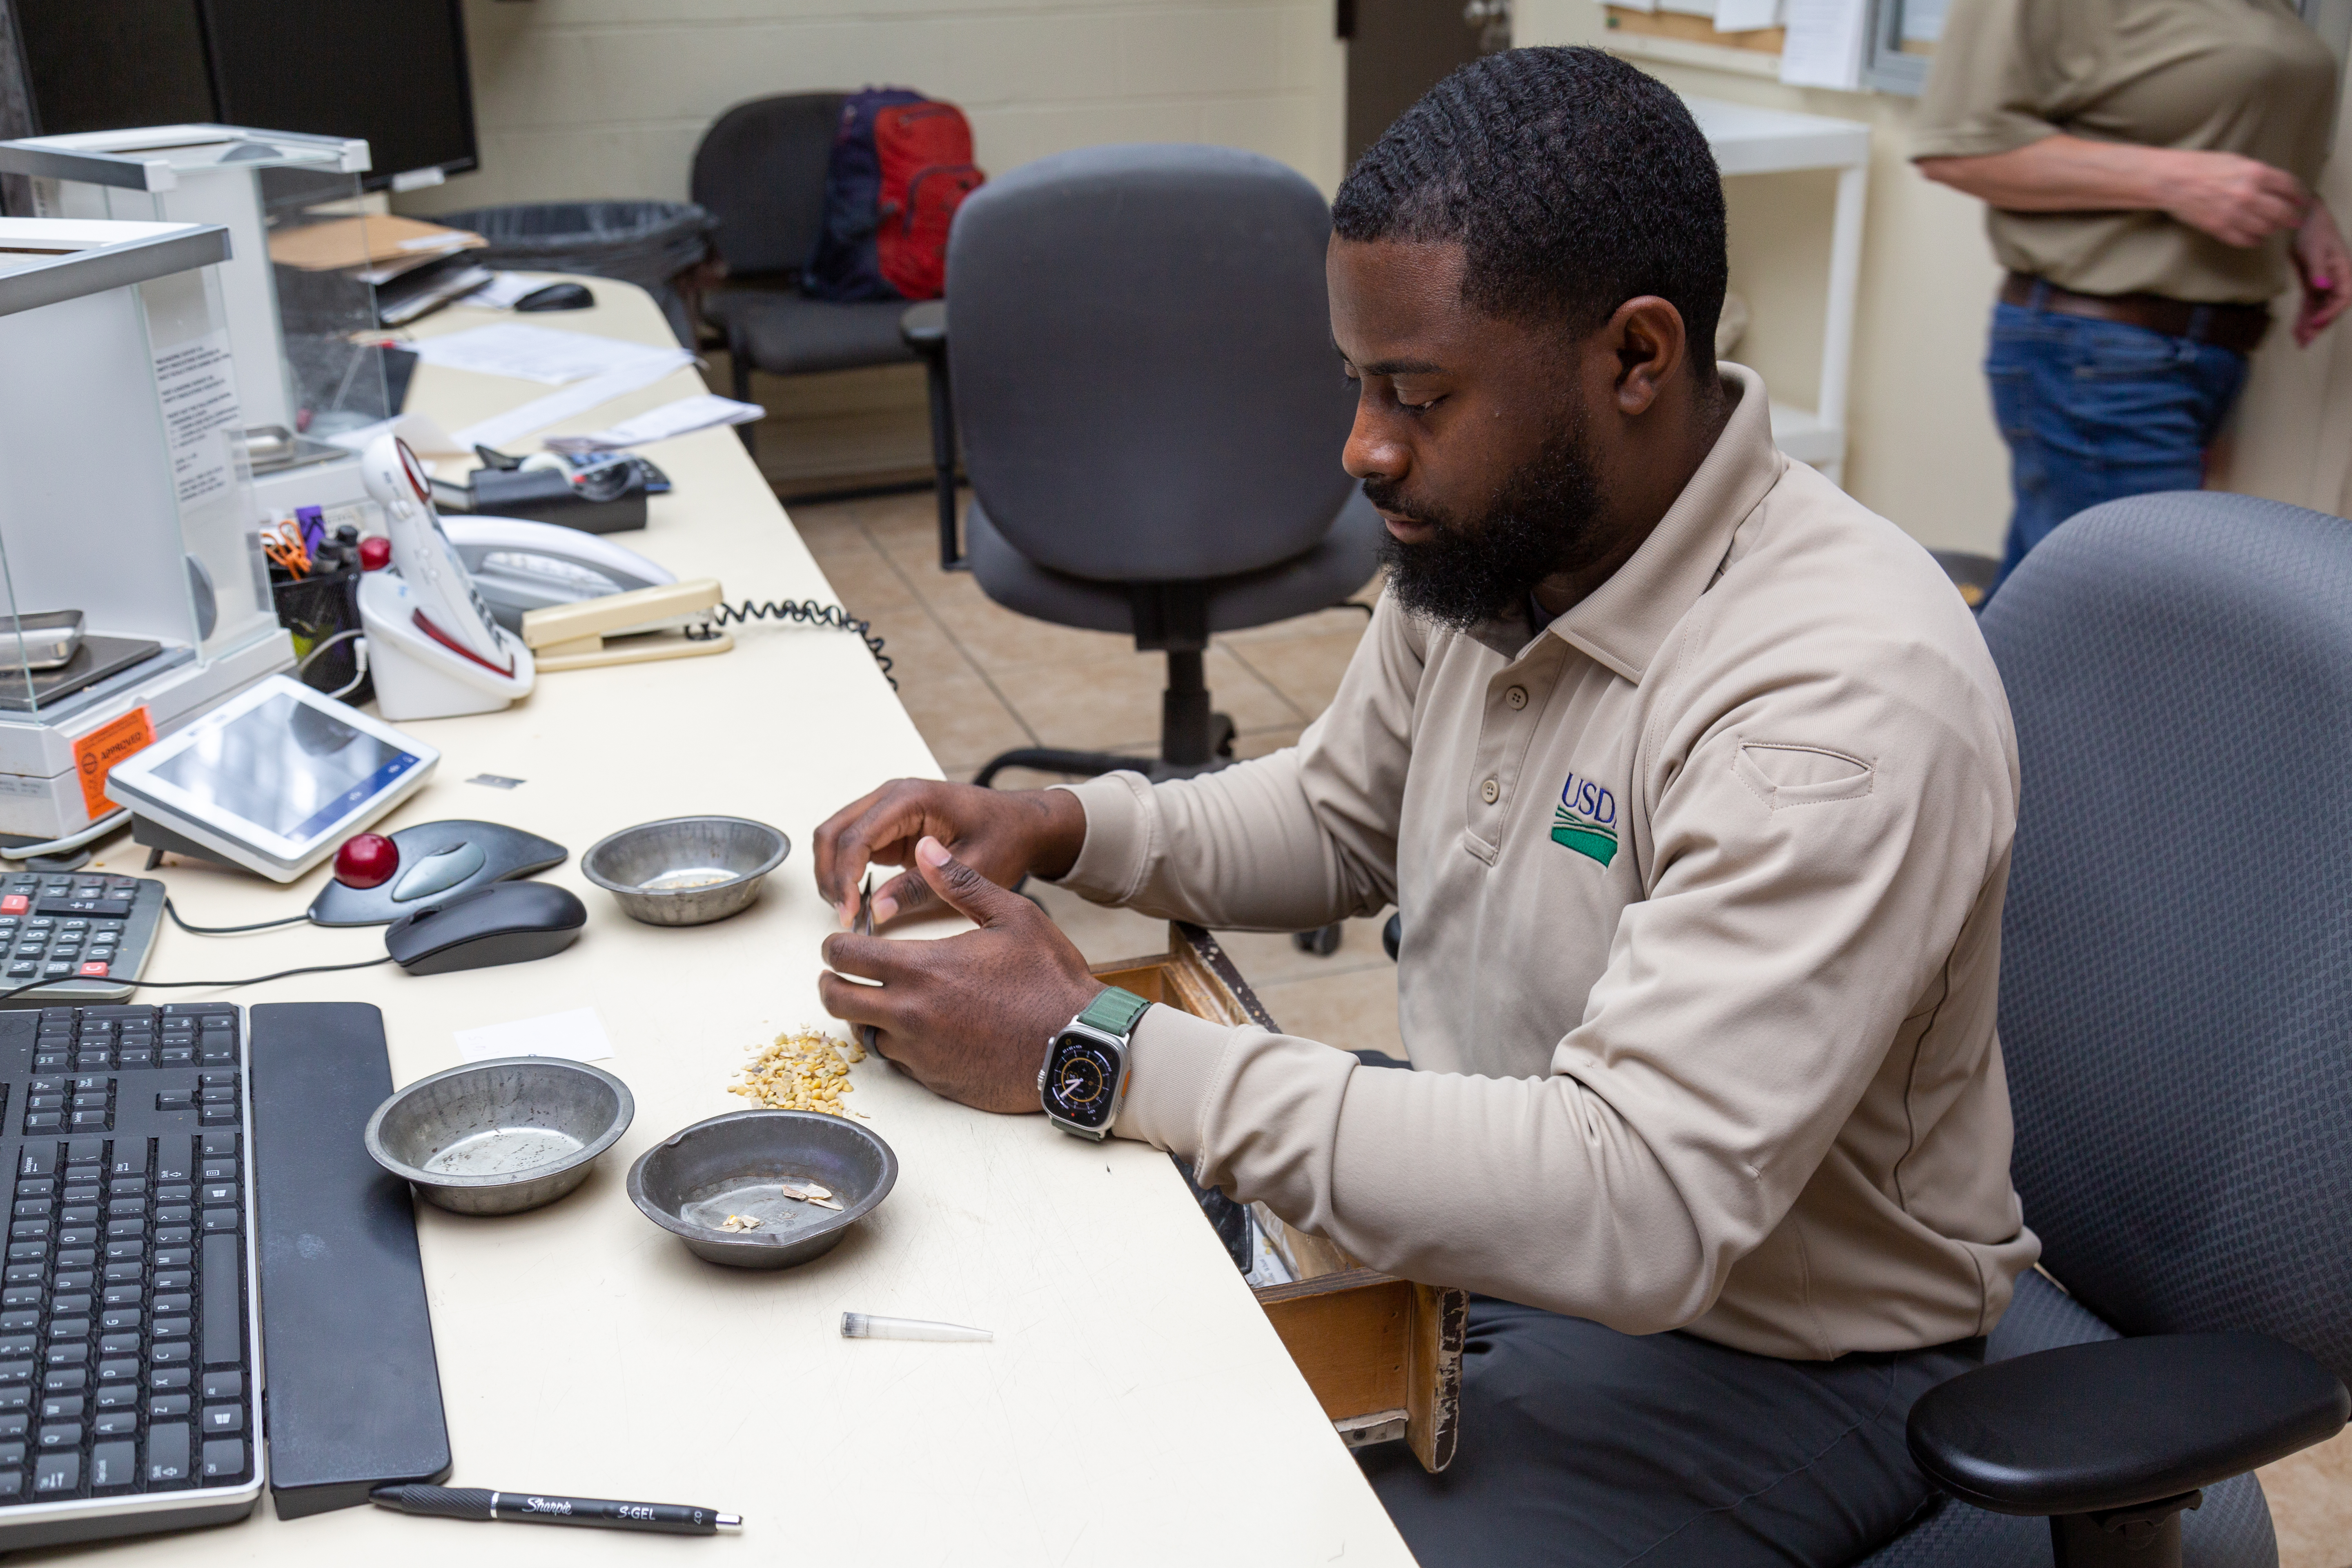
(2327, 271)
(968, 1016)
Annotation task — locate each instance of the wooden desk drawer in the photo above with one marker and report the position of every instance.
(1382, 1354)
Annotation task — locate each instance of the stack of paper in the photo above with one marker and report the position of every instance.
(683, 417)
(543, 353)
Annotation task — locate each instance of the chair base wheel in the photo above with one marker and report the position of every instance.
(1322, 941)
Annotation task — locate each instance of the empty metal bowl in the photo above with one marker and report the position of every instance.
(738, 1165)
(685, 870)
(498, 1137)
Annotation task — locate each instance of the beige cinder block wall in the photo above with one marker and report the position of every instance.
(583, 99)
(1921, 446)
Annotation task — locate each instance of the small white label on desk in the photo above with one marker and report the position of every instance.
(578, 1033)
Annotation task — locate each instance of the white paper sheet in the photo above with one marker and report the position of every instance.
(1746, 15)
(199, 388)
(541, 412)
(578, 1033)
(1824, 46)
(683, 417)
(542, 353)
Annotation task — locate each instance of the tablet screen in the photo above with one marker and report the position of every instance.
(285, 767)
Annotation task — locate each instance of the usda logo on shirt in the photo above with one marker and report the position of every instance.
(1586, 819)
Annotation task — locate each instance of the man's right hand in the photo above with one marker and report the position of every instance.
(1004, 834)
(2238, 201)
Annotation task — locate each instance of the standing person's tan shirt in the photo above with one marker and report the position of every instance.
(1702, 893)
(2209, 75)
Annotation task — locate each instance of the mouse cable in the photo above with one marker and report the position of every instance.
(200, 984)
(226, 931)
(807, 612)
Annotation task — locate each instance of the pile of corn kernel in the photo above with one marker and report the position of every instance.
(804, 1069)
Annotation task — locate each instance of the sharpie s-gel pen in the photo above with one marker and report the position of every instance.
(533, 1507)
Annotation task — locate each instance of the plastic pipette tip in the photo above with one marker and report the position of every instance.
(865, 1326)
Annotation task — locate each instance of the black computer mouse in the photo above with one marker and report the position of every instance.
(557, 297)
(505, 922)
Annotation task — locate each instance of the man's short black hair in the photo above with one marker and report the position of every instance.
(1573, 181)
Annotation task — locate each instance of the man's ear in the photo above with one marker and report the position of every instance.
(1650, 344)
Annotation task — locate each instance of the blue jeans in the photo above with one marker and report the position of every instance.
(2093, 411)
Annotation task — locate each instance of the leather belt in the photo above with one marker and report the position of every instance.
(2234, 327)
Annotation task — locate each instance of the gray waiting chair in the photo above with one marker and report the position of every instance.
(759, 170)
(2176, 1020)
(1150, 413)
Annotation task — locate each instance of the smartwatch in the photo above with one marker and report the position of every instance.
(1084, 1080)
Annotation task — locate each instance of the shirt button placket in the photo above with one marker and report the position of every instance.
(1516, 698)
(1490, 792)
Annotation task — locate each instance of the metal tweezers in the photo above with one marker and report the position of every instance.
(865, 928)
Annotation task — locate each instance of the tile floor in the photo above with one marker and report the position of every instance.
(979, 679)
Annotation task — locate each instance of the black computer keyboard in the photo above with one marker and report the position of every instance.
(81, 936)
(128, 1334)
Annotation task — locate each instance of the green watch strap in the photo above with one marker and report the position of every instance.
(1114, 1012)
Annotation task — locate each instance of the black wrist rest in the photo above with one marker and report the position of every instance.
(2084, 1429)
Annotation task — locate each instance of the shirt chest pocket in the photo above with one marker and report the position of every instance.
(1784, 774)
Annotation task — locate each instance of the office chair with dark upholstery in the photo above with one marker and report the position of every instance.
(1150, 413)
(2175, 1011)
(760, 170)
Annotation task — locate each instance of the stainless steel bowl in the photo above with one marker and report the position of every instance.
(685, 870)
(498, 1137)
(734, 1164)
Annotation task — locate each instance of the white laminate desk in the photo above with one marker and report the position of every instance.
(1135, 1406)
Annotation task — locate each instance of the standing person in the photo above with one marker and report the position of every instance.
(2147, 166)
(1694, 785)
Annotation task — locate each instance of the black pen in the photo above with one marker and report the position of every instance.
(530, 1508)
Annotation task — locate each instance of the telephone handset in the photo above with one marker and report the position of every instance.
(448, 608)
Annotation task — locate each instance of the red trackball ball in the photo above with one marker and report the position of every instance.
(375, 554)
(367, 860)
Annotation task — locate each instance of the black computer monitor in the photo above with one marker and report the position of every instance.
(392, 72)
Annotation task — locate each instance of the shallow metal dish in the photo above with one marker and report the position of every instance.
(685, 870)
(690, 1182)
(502, 1136)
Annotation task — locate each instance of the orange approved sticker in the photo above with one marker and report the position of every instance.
(96, 754)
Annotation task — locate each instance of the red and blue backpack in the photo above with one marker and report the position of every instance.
(901, 165)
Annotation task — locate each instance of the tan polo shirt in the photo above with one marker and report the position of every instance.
(1702, 894)
(2215, 76)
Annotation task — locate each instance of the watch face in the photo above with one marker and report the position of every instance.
(1082, 1081)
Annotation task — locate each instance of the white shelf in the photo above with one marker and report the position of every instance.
(1751, 140)
(1807, 436)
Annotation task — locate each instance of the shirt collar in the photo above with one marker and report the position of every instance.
(1621, 623)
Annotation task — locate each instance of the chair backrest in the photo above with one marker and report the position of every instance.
(760, 170)
(2176, 1005)
(1140, 350)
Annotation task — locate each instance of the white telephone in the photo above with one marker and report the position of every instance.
(447, 606)
(432, 645)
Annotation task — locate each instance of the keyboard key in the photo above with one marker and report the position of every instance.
(223, 1315)
(176, 1158)
(223, 1458)
(118, 1397)
(62, 1435)
(119, 1366)
(213, 1115)
(15, 1425)
(167, 1454)
(119, 1423)
(171, 1353)
(68, 1380)
(66, 1408)
(176, 1236)
(172, 1328)
(119, 1319)
(167, 1406)
(174, 1100)
(223, 1419)
(174, 1302)
(113, 1465)
(12, 1485)
(224, 1386)
(215, 1221)
(219, 1144)
(175, 1214)
(220, 1170)
(168, 1379)
(60, 1473)
(119, 1345)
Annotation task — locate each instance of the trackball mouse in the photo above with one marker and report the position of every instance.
(505, 922)
(557, 297)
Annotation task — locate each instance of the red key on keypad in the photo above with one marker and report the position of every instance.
(14, 904)
(93, 970)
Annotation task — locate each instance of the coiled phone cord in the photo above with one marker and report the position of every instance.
(806, 612)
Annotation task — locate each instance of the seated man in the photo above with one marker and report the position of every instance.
(1694, 784)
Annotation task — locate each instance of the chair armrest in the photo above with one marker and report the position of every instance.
(924, 327)
(2091, 1427)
